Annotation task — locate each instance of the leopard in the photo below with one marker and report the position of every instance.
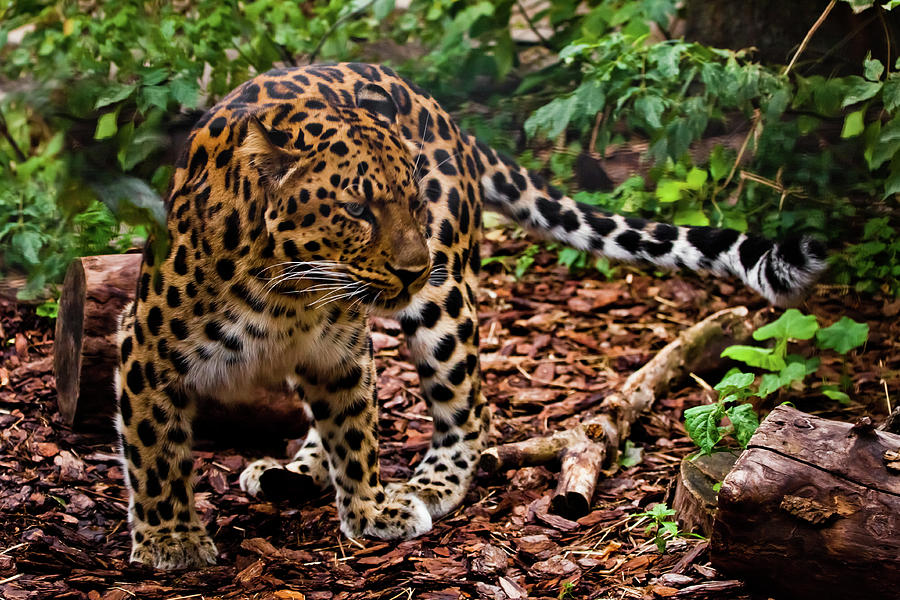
(305, 201)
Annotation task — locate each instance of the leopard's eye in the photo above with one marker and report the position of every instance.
(355, 208)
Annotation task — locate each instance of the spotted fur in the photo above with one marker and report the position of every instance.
(307, 199)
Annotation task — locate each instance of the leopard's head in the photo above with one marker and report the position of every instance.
(341, 200)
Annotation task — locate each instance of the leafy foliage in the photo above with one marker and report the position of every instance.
(704, 423)
(109, 77)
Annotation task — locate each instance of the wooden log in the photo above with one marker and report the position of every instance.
(583, 450)
(695, 491)
(812, 510)
(94, 292)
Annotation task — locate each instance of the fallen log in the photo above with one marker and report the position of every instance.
(583, 450)
(812, 510)
(94, 292)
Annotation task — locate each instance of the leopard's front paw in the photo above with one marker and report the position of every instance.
(401, 517)
(176, 550)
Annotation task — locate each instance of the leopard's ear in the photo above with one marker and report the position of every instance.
(266, 149)
(377, 100)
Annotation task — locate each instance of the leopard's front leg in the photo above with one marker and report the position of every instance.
(344, 406)
(154, 422)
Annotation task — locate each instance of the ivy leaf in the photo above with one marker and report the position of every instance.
(843, 336)
(859, 89)
(702, 424)
(891, 92)
(872, 69)
(791, 325)
(763, 358)
(744, 420)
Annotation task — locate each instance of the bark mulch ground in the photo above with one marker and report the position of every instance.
(553, 345)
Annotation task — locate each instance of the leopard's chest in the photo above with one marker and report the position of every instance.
(266, 350)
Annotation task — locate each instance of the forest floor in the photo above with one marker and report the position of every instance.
(553, 345)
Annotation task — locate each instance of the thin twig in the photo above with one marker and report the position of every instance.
(531, 25)
(5, 131)
(758, 118)
(809, 35)
(340, 21)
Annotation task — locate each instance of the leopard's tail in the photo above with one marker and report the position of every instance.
(780, 271)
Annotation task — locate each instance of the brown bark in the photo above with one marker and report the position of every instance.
(583, 450)
(695, 494)
(812, 510)
(95, 290)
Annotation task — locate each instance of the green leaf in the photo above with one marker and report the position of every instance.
(735, 381)
(650, 109)
(631, 455)
(695, 178)
(106, 125)
(843, 336)
(836, 394)
(114, 93)
(719, 163)
(853, 124)
(28, 244)
(860, 5)
(691, 216)
(185, 91)
(669, 190)
(744, 420)
(382, 8)
(891, 92)
(771, 382)
(48, 309)
(872, 68)
(791, 325)
(859, 89)
(131, 200)
(763, 358)
(702, 424)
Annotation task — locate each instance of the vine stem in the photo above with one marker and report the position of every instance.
(340, 21)
(758, 118)
(4, 130)
(531, 24)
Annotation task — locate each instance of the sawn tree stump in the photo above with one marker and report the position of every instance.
(812, 510)
(95, 290)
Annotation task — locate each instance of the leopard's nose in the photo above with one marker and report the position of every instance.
(407, 276)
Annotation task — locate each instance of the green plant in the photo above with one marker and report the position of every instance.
(779, 369)
(662, 525)
(566, 590)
